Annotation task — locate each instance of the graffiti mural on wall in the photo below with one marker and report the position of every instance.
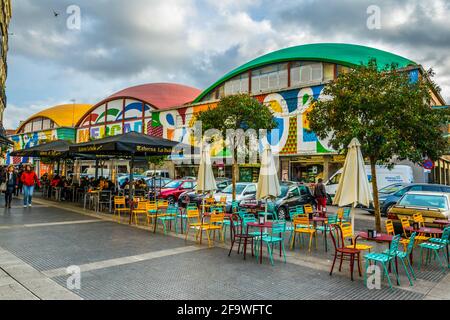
(28, 140)
(118, 116)
(290, 109)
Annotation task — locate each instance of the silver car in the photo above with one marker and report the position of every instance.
(244, 190)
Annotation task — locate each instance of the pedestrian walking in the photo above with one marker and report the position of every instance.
(29, 179)
(320, 194)
(11, 182)
(20, 185)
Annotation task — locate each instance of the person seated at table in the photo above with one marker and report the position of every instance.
(125, 184)
(141, 184)
(102, 184)
(65, 188)
(55, 181)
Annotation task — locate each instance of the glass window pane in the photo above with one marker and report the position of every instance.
(316, 72)
(228, 88)
(305, 74)
(263, 82)
(46, 124)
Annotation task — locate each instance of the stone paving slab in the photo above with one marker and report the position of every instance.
(27, 283)
(60, 246)
(211, 274)
(37, 214)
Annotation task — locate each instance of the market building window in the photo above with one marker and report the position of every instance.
(306, 72)
(237, 85)
(272, 77)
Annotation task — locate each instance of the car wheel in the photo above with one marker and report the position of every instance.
(283, 213)
(171, 199)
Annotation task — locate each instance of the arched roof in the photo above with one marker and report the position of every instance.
(160, 95)
(344, 54)
(64, 115)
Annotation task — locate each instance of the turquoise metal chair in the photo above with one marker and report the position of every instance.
(443, 240)
(169, 216)
(346, 217)
(431, 249)
(403, 256)
(331, 219)
(276, 236)
(234, 206)
(384, 259)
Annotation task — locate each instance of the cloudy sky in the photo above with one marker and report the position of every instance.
(122, 43)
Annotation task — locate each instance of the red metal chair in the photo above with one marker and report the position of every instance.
(342, 252)
(238, 233)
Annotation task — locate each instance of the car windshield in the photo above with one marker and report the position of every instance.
(239, 189)
(424, 200)
(173, 184)
(391, 188)
(284, 190)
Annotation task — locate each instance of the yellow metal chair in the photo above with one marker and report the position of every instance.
(391, 231)
(302, 226)
(308, 209)
(140, 209)
(405, 224)
(193, 221)
(215, 223)
(152, 212)
(347, 233)
(418, 218)
(163, 204)
(120, 205)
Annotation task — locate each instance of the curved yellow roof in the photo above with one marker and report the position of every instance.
(64, 115)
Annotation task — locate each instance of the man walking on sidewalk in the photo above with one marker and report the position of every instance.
(29, 179)
(320, 194)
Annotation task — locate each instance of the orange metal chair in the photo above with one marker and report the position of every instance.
(302, 226)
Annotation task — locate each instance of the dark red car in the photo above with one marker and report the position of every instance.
(173, 189)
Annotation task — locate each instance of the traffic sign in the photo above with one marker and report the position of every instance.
(428, 164)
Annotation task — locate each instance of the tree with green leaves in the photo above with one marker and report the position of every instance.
(390, 114)
(156, 161)
(236, 112)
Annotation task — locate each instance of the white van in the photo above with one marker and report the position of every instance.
(90, 172)
(398, 174)
(157, 173)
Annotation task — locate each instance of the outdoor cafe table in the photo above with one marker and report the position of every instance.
(435, 232)
(324, 222)
(261, 226)
(442, 222)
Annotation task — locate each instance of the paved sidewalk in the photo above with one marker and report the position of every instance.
(118, 261)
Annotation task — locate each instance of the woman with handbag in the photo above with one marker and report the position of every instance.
(29, 179)
(10, 181)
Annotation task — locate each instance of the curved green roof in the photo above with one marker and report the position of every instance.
(339, 53)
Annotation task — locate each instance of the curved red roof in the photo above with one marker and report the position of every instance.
(160, 95)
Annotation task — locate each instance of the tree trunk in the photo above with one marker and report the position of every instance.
(376, 203)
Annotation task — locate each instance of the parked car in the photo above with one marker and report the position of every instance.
(122, 178)
(389, 196)
(193, 196)
(432, 205)
(172, 190)
(385, 177)
(244, 190)
(292, 194)
(157, 173)
(158, 182)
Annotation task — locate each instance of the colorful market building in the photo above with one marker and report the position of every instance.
(284, 80)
